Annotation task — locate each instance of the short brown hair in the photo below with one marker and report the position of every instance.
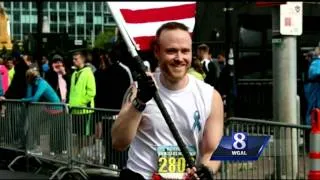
(170, 26)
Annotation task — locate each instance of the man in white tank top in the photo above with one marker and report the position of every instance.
(195, 108)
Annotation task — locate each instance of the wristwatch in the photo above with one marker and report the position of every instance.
(140, 106)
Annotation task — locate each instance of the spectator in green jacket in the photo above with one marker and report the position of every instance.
(82, 93)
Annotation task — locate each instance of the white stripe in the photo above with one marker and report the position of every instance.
(146, 5)
(150, 29)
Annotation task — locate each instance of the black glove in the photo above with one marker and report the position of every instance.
(146, 88)
(204, 172)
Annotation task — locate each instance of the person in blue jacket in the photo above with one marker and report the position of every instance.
(312, 89)
(38, 90)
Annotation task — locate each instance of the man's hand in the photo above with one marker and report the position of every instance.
(146, 88)
(2, 98)
(200, 172)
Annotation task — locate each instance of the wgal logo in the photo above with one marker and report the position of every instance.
(239, 144)
(240, 147)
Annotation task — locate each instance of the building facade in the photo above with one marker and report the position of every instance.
(81, 20)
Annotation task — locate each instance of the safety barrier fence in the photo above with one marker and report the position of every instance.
(79, 138)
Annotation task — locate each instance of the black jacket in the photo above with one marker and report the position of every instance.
(52, 78)
(111, 85)
(18, 86)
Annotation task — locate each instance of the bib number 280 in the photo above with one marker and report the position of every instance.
(172, 164)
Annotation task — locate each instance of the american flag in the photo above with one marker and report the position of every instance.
(142, 19)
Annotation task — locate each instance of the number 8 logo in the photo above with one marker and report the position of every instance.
(239, 142)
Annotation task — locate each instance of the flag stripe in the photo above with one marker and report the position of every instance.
(159, 14)
(144, 42)
(150, 29)
(141, 20)
(146, 5)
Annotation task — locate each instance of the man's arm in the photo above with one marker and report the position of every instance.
(126, 125)
(213, 133)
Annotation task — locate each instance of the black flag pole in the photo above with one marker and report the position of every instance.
(140, 69)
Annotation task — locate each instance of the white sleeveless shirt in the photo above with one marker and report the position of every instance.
(153, 130)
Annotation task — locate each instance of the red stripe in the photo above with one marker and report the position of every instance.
(314, 155)
(314, 175)
(159, 14)
(268, 4)
(144, 42)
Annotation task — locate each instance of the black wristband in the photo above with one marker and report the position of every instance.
(139, 105)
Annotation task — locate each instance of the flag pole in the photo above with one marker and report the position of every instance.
(141, 70)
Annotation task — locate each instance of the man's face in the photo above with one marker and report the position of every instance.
(174, 54)
(201, 53)
(78, 60)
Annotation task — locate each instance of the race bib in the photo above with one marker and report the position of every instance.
(171, 163)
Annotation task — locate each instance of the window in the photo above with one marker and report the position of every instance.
(111, 20)
(62, 28)
(89, 19)
(80, 30)
(25, 5)
(97, 20)
(45, 5)
(63, 17)
(71, 6)
(53, 27)
(97, 6)
(80, 6)
(89, 29)
(105, 8)
(89, 6)
(25, 28)
(34, 28)
(71, 18)
(79, 19)
(25, 19)
(105, 20)
(16, 16)
(16, 28)
(63, 5)
(16, 5)
(7, 5)
(71, 29)
(53, 17)
(33, 19)
(34, 6)
(25, 12)
(53, 5)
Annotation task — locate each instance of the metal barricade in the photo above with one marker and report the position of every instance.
(91, 139)
(12, 131)
(45, 133)
(280, 159)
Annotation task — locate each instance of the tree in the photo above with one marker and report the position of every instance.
(104, 38)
